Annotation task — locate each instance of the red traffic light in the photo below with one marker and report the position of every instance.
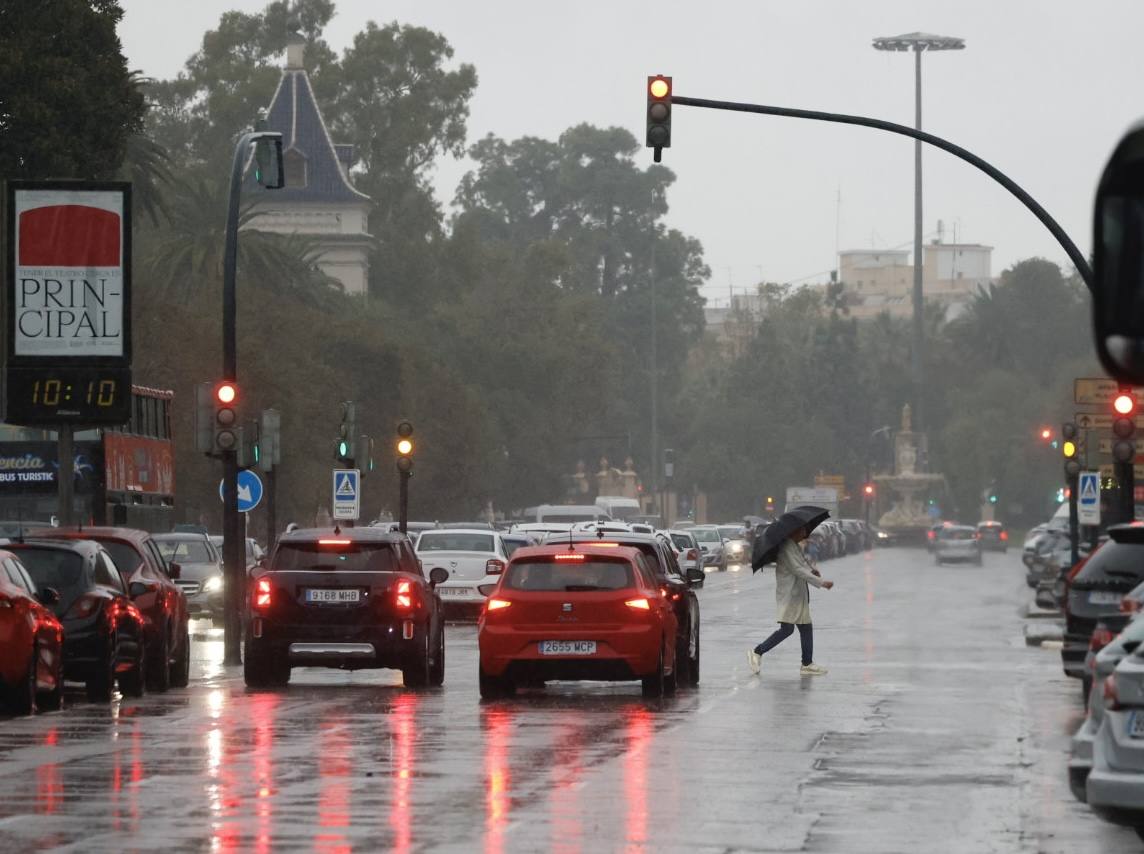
(226, 392)
(1124, 404)
(868, 489)
(1046, 433)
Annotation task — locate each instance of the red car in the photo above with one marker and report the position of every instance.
(589, 611)
(150, 585)
(31, 641)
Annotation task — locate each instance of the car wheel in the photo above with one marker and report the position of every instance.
(23, 700)
(159, 665)
(102, 681)
(415, 673)
(133, 682)
(181, 669)
(493, 687)
(653, 685)
(693, 664)
(682, 661)
(437, 671)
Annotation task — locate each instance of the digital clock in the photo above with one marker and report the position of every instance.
(67, 395)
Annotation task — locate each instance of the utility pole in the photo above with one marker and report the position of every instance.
(654, 365)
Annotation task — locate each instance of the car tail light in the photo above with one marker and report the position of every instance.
(404, 595)
(335, 543)
(262, 593)
(494, 567)
(84, 606)
(497, 604)
(1101, 638)
(1004, 536)
(640, 604)
(931, 535)
(1111, 694)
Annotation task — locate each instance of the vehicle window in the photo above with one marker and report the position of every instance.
(445, 541)
(570, 517)
(730, 532)
(511, 545)
(681, 540)
(126, 558)
(159, 570)
(17, 577)
(185, 551)
(355, 557)
(56, 568)
(706, 535)
(107, 574)
(593, 574)
(1125, 560)
(672, 563)
(28, 582)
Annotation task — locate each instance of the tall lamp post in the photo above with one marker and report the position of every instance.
(918, 43)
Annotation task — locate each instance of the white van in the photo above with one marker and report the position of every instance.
(618, 506)
(568, 513)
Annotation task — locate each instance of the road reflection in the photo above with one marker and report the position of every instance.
(335, 765)
(564, 807)
(403, 738)
(496, 724)
(638, 730)
(263, 710)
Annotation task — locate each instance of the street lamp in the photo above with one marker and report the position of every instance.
(918, 43)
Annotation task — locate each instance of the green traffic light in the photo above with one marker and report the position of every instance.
(992, 499)
(257, 453)
(343, 448)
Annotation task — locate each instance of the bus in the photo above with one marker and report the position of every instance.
(123, 475)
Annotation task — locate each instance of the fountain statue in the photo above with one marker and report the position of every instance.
(910, 489)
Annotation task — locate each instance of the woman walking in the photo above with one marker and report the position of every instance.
(793, 576)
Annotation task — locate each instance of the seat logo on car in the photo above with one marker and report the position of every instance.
(567, 607)
(453, 564)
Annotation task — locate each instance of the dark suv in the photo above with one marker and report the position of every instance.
(354, 598)
(675, 584)
(1095, 592)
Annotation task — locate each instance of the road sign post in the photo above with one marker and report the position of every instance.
(347, 494)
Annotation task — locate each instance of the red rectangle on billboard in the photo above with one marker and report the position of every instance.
(140, 465)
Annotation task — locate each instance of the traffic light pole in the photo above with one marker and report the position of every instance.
(403, 501)
(1073, 481)
(1126, 491)
(271, 509)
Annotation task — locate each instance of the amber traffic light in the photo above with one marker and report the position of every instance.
(658, 115)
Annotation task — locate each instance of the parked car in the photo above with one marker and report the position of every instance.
(690, 556)
(993, 536)
(472, 558)
(31, 642)
(711, 546)
(1115, 784)
(589, 611)
(104, 633)
(836, 540)
(957, 543)
(200, 571)
(670, 578)
(854, 535)
(1100, 666)
(735, 545)
(1096, 591)
(354, 598)
(150, 583)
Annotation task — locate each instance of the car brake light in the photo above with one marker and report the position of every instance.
(606, 545)
(494, 567)
(569, 556)
(639, 604)
(931, 534)
(1111, 694)
(404, 596)
(1004, 536)
(262, 593)
(497, 604)
(1101, 638)
(335, 542)
(84, 606)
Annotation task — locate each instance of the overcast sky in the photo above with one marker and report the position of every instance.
(1042, 90)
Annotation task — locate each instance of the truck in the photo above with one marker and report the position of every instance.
(825, 497)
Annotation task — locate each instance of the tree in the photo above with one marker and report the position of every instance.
(68, 106)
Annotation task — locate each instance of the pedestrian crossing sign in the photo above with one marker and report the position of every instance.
(347, 494)
(1088, 498)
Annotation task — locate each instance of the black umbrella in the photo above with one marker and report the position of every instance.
(767, 543)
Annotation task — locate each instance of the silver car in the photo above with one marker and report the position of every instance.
(957, 542)
(711, 546)
(1102, 666)
(735, 545)
(1115, 785)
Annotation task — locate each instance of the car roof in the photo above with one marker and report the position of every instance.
(84, 547)
(593, 549)
(460, 531)
(363, 535)
(173, 536)
(131, 535)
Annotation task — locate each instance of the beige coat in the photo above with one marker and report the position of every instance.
(792, 575)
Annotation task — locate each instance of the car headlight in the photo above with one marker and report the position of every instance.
(882, 535)
(736, 547)
(213, 584)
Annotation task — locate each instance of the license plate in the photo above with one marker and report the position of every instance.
(1104, 597)
(454, 591)
(335, 596)
(1136, 725)
(561, 647)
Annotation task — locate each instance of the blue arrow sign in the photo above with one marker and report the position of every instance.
(249, 490)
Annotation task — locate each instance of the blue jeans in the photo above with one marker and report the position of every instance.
(784, 631)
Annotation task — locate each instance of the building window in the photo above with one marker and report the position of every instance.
(294, 166)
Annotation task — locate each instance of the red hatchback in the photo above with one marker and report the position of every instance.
(592, 611)
(31, 641)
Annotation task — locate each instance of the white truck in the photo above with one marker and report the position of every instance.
(825, 497)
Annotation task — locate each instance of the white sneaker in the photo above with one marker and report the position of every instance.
(754, 661)
(812, 669)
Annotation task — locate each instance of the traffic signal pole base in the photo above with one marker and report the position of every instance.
(234, 563)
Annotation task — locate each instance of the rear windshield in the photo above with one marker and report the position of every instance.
(56, 568)
(706, 535)
(124, 556)
(360, 557)
(731, 532)
(511, 545)
(1122, 561)
(569, 575)
(186, 551)
(681, 540)
(956, 534)
(443, 541)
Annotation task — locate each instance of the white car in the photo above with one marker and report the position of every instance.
(1115, 785)
(690, 555)
(473, 557)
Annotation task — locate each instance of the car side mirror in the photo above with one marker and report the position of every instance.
(1118, 261)
(174, 570)
(1131, 646)
(696, 576)
(48, 596)
(438, 575)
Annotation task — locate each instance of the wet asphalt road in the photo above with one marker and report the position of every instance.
(936, 729)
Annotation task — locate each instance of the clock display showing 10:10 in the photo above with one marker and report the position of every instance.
(62, 395)
(55, 392)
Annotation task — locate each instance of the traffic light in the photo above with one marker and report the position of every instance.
(658, 115)
(1046, 434)
(1124, 428)
(249, 444)
(992, 497)
(868, 491)
(668, 463)
(405, 447)
(1069, 449)
(226, 431)
(347, 430)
